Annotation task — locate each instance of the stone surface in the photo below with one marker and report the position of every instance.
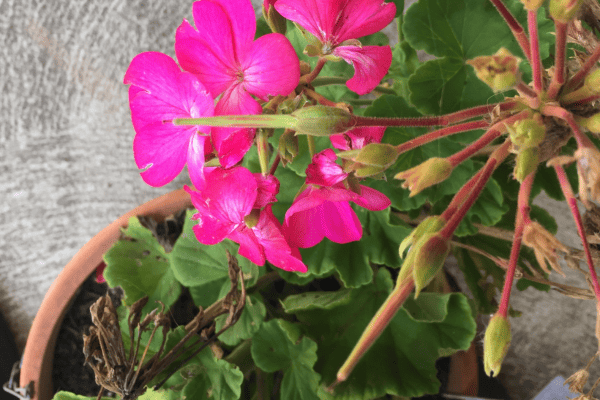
(66, 167)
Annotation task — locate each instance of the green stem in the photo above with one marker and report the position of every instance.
(241, 357)
(262, 147)
(521, 218)
(311, 145)
(241, 121)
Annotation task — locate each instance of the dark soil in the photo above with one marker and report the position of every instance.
(69, 371)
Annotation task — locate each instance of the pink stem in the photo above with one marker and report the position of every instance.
(375, 328)
(306, 79)
(536, 63)
(456, 217)
(568, 192)
(585, 69)
(561, 113)
(522, 218)
(496, 130)
(559, 60)
(431, 136)
(525, 90)
(441, 120)
(581, 102)
(514, 26)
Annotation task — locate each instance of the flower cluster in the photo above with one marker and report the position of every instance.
(221, 70)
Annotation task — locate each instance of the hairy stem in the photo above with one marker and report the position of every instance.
(448, 131)
(522, 217)
(536, 63)
(558, 79)
(475, 186)
(378, 323)
(585, 69)
(572, 201)
(561, 113)
(308, 78)
(514, 26)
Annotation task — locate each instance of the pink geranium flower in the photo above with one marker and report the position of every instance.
(337, 23)
(357, 138)
(226, 209)
(323, 208)
(160, 92)
(223, 54)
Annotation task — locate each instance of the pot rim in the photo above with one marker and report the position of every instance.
(36, 363)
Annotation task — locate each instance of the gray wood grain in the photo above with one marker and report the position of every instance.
(67, 169)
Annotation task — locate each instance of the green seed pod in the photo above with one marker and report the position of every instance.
(430, 253)
(322, 120)
(527, 162)
(564, 10)
(495, 344)
(528, 132)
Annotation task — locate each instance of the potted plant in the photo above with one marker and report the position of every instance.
(255, 111)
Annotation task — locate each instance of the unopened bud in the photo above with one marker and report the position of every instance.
(592, 82)
(288, 147)
(527, 162)
(495, 344)
(372, 159)
(430, 253)
(276, 22)
(528, 132)
(431, 172)
(592, 123)
(322, 120)
(590, 88)
(564, 10)
(500, 71)
(431, 224)
(532, 5)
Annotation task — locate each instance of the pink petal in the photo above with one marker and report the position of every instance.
(371, 63)
(226, 199)
(161, 149)
(358, 138)
(341, 225)
(372, 199)
(277, 250)
(316, 16)
(242, 20)
(195, 160)
(212, 62)
(271, 67)
(268, 187)
(363, 17)
(155, 73)
(323, 170)
(233, 143)
(249, 245)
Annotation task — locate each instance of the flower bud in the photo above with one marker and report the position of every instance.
(372, 159)
(288, 147)
(528, 132)
(592, 82)
(495, 344)
(430, 253)
(590, 88)
(431, 172)
(276, 22)
(431, 224)
(564, 10)
(500, 71)
(527, 162)
(592, 123)
(322, 120)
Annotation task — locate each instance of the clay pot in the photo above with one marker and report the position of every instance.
(39, 350)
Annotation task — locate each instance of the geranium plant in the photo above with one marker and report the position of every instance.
(325, 198)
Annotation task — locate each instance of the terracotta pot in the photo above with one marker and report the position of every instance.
(39, 350)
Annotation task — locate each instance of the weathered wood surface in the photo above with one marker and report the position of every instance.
(66, 165)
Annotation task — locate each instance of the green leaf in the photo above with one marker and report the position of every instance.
(317, 300)
(63, 395)
(140, 265)
(464, 29)
(483, 291)
(278, 346)
(404, 63)
(205, 268)
(407, 348)
(250, 321)
(544, 218)
(436, 86)
(487, 210)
